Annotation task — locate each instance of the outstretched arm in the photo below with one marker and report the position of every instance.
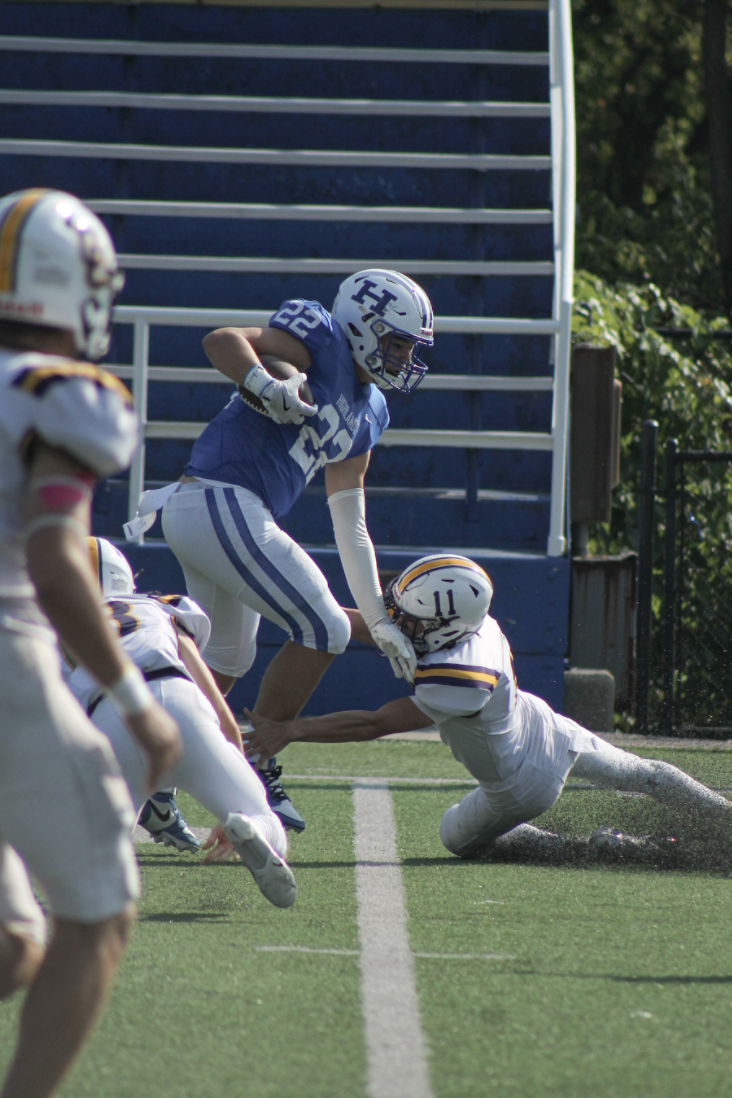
(344, 484)
(350, 726)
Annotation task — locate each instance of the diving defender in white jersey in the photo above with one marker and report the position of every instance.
(247, 469)
(519, 750)
(65, 813)
(161, 634)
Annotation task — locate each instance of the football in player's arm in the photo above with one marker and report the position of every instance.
(519, 750)
(255, 458)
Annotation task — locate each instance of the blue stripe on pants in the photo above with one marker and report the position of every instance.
(296, 598)
(246, 575)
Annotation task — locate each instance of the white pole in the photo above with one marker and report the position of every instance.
(139, 395)
(563, 158)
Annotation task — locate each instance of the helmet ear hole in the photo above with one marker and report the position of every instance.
(355, 330)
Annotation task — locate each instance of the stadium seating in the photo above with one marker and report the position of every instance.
(244, 155)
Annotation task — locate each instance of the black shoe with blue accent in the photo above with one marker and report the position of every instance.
(162, 820)
(277, 799)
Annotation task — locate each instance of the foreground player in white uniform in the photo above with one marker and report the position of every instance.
(65, 813)
(161, 634)
(518, 749)
(249, 466)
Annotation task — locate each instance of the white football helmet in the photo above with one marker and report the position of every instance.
(58, 267)
(111, 568)
(372, 304)
(448, 595)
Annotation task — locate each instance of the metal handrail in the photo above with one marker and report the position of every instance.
(244, 318)
(138, 207)
(323, 158)
(345, 267)
(128, 48)
(463, 383)
(275, 104)
(563, 161)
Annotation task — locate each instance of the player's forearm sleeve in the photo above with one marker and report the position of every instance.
(348, 511)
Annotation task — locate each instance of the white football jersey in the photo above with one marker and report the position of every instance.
(492, 727)
(470, 693)
(71, 405)
(146, 628)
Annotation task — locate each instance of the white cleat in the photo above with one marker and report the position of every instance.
(271, 872)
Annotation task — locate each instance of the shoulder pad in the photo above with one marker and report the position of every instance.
(38, 379)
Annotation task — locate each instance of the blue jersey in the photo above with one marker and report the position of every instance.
(276, 460)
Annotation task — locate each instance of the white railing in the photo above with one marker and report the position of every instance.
(561, 162)
(141, 372)
(563, 175)
(318, 158)
(250, 104)
(284, 53)
(262, 211)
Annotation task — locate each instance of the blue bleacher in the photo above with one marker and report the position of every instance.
(492, 503)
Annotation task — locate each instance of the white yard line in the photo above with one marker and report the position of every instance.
(395, 1045)
(356, 953)
(307, 949)
(380, 778)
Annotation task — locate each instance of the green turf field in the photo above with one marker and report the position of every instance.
(615, 983)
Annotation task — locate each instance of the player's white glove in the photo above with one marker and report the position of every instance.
(280, 398)
(397, 647)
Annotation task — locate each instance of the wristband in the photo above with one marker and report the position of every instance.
(257, 380)
(130, 694)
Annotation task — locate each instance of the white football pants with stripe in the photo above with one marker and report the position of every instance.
(239, 565)
(210, 768)
(483, 815)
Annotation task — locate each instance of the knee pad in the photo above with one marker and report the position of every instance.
(339, 633)
(336, 623)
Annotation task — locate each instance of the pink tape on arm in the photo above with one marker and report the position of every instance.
(62, 493)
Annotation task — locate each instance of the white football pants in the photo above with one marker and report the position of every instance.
(210, 768)
(483, 815)
(239, 565)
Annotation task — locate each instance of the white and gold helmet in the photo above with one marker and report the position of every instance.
(58, 267)
(374, 304)
(111, 568)
(447, 595)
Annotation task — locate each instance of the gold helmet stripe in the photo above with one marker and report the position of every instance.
(439, 562)
(10, 233)
(95, 558)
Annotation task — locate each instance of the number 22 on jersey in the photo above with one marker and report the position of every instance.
(311, 452)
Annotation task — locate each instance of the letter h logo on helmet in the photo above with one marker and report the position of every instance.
(378, 303)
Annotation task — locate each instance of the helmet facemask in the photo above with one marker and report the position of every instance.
(389, 370)
(434, 635)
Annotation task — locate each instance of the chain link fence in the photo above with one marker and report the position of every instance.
(691, 649)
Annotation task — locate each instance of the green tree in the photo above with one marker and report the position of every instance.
(645, 206)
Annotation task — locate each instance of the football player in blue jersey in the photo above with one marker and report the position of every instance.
(254, 459)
